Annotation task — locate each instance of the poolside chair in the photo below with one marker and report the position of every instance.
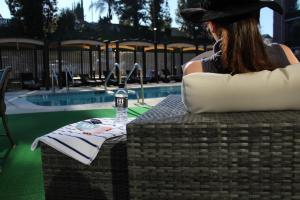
(150, 76)
(135, 77)
(132, 78)
(112, 80)
(166, 78)
(74, 82)
(173, 154)
(28, 82)
(97, 78)
(86, 80)
(3, 85)
(178, 74)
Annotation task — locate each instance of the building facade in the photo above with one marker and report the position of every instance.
(287, 26)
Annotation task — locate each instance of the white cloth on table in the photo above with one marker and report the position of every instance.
(72, 142)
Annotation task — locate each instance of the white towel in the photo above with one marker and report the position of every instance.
(74, 143)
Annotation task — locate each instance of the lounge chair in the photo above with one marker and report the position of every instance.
(3, 85)
(249, 155)
(71, 81)
(76, 82)
(150, 76)
(166, 78)
(28, 82)
(112, 80)
(178, 74)
(86, 80)
(133, 77)
(177, 78)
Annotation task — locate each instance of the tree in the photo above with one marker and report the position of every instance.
(167, 19)
(78, 11)
(101, 5)
(181, 4)
(34, 17)
(160, 14)
(66, 22)
(192, 30)
(131, 12)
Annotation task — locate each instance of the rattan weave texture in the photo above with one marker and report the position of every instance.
(68, 179)
(249, 155)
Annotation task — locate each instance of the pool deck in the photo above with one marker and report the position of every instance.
(17, 104)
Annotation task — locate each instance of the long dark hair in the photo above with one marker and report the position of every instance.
(242, 46)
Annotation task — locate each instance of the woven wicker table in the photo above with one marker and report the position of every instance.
(176, 155)
(68, 179)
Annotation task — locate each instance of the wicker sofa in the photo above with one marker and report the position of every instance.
(176, 155)
(68, 179)
(171, 154)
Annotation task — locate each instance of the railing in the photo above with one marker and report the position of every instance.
(53, 76)
(140, 69)
(68, 72)
(24, 60)
(116, 65)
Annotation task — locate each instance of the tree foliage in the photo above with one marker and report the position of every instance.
(70, 23)
(154, 13)
(78, 11)
(66, 22)
(192, 30)
(102, 5)
(131, 12)
(160, 14)
(35, 18)
(166, 16)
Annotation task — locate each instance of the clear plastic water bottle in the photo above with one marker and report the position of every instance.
(121, 103)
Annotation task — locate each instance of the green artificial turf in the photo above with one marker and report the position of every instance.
(21, 177)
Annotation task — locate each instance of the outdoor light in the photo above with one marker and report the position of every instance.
(154, 36)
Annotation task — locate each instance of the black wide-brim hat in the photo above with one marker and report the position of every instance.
(210, 10)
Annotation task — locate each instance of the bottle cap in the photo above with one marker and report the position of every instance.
(121, 85)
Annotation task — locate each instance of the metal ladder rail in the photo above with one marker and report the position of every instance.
(116, 65)
(67, 71)
(54, 76)
(140, 69)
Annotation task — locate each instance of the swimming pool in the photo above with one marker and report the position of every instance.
(77, 98)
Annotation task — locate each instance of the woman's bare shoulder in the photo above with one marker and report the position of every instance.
(289, 53)
(193, 67)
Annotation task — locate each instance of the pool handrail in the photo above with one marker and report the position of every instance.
(140, 69)
(116, 65)
(68, 71)
(53, 76)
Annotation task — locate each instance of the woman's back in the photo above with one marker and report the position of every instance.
(275, 52)
(280, 55)
(239, 45)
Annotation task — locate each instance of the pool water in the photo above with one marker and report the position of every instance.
(78, 98)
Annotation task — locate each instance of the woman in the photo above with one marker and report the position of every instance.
(239, 47)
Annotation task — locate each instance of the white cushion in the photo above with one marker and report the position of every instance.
(257, 91)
